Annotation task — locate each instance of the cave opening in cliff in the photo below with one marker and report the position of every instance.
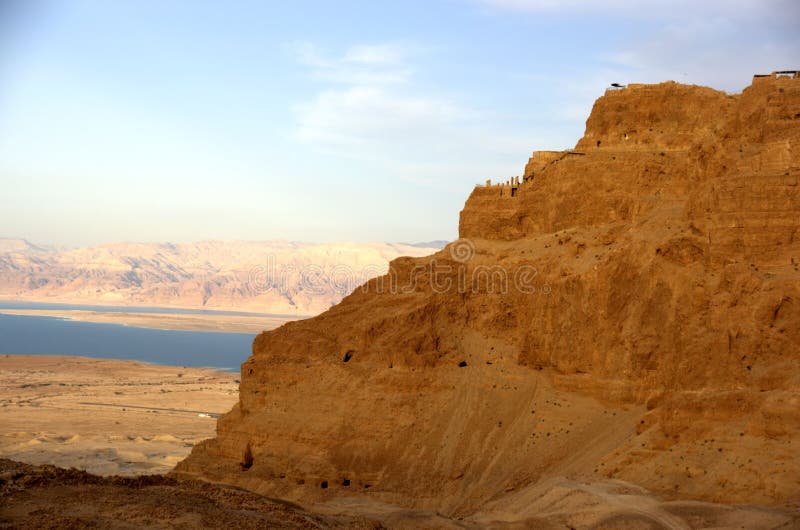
(247, 458)
(324, 484)
(348, 356)
(346, 482)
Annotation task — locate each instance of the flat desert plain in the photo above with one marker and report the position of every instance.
(107, 416)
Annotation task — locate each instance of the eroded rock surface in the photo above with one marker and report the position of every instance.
(36, 497)
(629, 310)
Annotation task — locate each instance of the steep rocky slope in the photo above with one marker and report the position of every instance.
(266, 276)
(628, 310)
(36, 497)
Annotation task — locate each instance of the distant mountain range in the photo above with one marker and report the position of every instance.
(437, 244)
(282, 277)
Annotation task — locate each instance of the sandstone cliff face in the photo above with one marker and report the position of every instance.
(630, 309)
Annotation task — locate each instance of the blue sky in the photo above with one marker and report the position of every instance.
(184, 120)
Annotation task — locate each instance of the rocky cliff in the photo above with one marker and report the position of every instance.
(629, 309)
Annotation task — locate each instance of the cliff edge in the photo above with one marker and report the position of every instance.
(625, 311)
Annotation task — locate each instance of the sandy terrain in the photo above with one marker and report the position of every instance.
(50, 497)
(227, 323)
(107, 416)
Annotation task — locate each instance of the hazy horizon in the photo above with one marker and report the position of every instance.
(433, 243)
(187, 121)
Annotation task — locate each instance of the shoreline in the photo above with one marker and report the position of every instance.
(163, 321)
(82, 304)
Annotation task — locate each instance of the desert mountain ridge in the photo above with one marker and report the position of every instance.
(624, 317)
(19, 245)
(277, 276)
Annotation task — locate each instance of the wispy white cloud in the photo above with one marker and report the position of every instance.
(368, 115)
(370, 107)
(360, 65)
(380, 54)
